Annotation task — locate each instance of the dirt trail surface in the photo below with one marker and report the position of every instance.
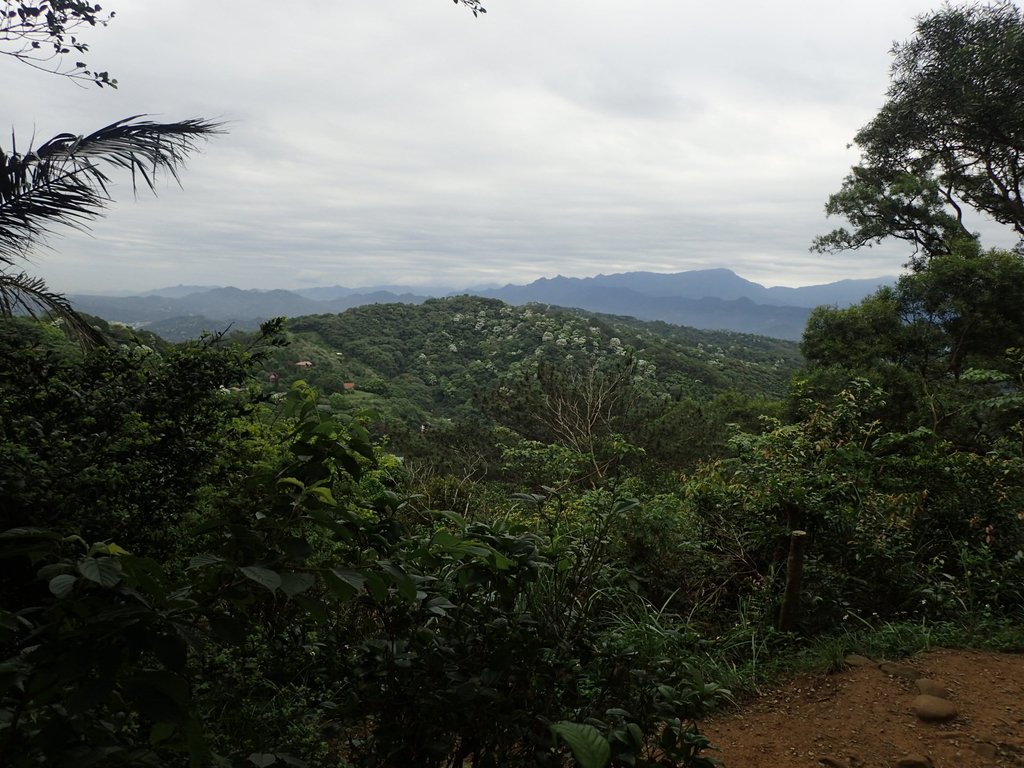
(944, 709)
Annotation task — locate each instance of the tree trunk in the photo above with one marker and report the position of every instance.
(790, 611)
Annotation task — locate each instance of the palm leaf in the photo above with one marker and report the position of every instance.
(24, 295)
(63, 182)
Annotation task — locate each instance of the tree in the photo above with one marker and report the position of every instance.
(918, 338)
(63, 182)
(41, 34)
(950, 137)
(473, 5)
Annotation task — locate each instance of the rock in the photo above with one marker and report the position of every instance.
(856, 660)
(932, 709)
(831, 762)
(914, 761)
(986, 750)
(899, 670)
(932, 687)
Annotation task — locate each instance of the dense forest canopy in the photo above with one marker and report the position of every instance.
(949, 138)
(468, 533)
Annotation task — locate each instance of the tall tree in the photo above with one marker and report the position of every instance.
(918, 338)
(950, 137)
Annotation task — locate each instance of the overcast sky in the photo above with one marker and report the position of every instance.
(406, 142)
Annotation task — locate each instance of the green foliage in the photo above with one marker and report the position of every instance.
(588, 746)
(886, 513)
(326, 614)
(916, 339)
(115, 444)
(443, 375)
(194, 573)
(948, 137)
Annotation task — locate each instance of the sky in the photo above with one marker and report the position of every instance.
(405, 142)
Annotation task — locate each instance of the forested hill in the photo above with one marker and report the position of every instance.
(454, 344)
(706, 298)
(478, 375)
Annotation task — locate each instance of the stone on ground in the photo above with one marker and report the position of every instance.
(932, 709)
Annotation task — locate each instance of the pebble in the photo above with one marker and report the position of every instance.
(931, 687)
(932, 709)
(914, 761)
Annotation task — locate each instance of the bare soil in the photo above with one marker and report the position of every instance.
(864, 717)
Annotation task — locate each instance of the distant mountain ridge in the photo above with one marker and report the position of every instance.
(712, 299)
(698, 284)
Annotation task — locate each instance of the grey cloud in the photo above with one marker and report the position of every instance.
(408, 142)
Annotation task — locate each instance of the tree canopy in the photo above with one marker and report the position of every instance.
(41, 34)
(949, 138)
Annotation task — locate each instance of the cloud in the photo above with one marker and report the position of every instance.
(375, 143)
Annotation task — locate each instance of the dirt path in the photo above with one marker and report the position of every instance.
(865, 717)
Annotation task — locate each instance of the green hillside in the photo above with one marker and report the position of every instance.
(479, 363)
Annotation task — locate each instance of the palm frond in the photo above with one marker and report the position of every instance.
(63, 182)
(24, 295)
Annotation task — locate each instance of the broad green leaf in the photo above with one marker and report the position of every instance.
(161, 732)
(264, 576)
(636, 735)
(293, 584)
(292, 481)
(101, 570)
(262, 759)
(403, 582)
(62, 585)
(499, 561)
(343, 584)
(376, 587)
(454, 517)
(438, 605)
(588, 746)
(47, 572)
(101, 548)
(354, 578)
(324, 495)
(445, 540)
(204, 559)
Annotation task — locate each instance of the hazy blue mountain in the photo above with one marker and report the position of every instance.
(714, 299)
(134, 310)
(706, 298)
(176, 291)
(216, 308)
(843, 293)
(236, 303)
(740, 314)
(331, 292)
(326, 292)
(695, 284)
